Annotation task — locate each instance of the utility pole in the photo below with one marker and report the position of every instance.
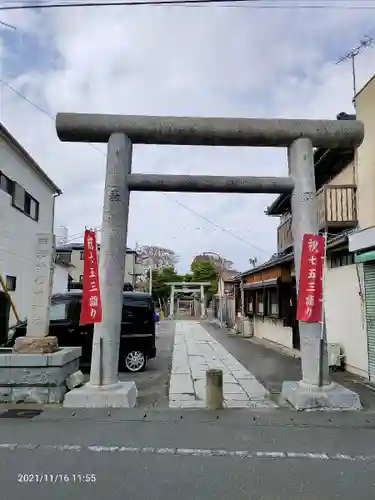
(352, 54)
(150, 279)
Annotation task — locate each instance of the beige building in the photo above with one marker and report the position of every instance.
(345, 183)
(73, 254)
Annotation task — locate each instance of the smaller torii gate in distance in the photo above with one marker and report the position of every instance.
(184, 286)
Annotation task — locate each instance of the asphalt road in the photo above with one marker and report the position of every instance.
(153, 383)
(271, 367)
(240, 456)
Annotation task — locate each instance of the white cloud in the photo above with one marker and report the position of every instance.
(181, 61)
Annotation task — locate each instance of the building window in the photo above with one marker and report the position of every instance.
(273, 302)
(11, 282)
(65, 257)
(31, 207)
(259, 302)
(340, 259)
(19, 197)
(6, 184)
(22, 200)
(249, 303)
(81, 255)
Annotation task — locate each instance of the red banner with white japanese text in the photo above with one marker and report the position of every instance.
(91, 308)
(310, 290)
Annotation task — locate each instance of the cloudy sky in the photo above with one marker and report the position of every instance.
(198, 61)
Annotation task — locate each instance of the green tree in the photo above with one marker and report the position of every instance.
(159, 279)
(204, 270)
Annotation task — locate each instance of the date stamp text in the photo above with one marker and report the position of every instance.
(23, 477)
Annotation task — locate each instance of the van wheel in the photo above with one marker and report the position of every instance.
(135, 361)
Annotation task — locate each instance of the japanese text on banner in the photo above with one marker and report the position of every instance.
(91, 308)
(310, 290)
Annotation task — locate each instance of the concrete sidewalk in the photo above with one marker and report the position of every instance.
(195, 351)
(272, 367)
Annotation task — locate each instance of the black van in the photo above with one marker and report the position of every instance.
(137, 341)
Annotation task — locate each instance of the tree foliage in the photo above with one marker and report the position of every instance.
(159, 279)
(156, 257)
(204, 270)
(220, 263)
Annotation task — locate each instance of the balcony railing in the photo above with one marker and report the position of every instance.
(337, 209)
(337, 206)
(284, 235)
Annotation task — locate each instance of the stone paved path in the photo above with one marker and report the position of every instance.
(194, 352)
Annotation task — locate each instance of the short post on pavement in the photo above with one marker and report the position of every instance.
(214, 389)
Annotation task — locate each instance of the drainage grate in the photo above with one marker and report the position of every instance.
(13, 413)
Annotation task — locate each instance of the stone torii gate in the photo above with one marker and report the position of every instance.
(120, 133)
(179, 286)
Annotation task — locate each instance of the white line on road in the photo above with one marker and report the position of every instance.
(193, 452)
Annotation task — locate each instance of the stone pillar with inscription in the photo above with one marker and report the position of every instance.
(37, 340)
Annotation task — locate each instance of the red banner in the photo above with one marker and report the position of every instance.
(91, 308)
(310, 290)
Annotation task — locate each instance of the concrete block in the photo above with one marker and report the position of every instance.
(186, 404)
(5, 394)
(184, 397)
(48, 376)
(120, 395)
(5, 356)
(29, 378)
(56, 394)
(63, 356)
(233, 389)
(200, 388)
(253, 388)
(39, 395)
(240, 396)
(242, 374)
(229, 379)
(76, 379)
(29, 360)
(332, 397)
(181, 384)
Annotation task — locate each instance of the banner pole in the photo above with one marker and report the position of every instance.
(322, 321)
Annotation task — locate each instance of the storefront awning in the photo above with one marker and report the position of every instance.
(261, 284)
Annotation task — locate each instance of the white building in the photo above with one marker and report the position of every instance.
(72, 253)
(27, 201)
(61, 277)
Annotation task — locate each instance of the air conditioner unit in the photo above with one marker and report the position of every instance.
(334, 353)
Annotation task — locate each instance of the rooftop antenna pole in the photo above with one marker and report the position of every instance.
(363, 44)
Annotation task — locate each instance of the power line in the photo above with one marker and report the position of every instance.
(227, 231)
(218, 227)
(253, 4)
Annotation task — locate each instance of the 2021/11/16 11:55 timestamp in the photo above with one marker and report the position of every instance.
(56, 478)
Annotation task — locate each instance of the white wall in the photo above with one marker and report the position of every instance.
(274, 330)
(130, 267)
(60, 279)
(345, 316)
(17, 230)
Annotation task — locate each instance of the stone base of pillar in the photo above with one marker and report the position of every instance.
(329, 397)
(120, 395)
(36, 345)
(36, 378)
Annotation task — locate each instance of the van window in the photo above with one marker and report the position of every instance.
(59, 311)
(137, 311)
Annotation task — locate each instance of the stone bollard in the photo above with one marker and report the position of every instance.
(214, 389)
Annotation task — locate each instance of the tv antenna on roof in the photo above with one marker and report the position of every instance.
(363, 44)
